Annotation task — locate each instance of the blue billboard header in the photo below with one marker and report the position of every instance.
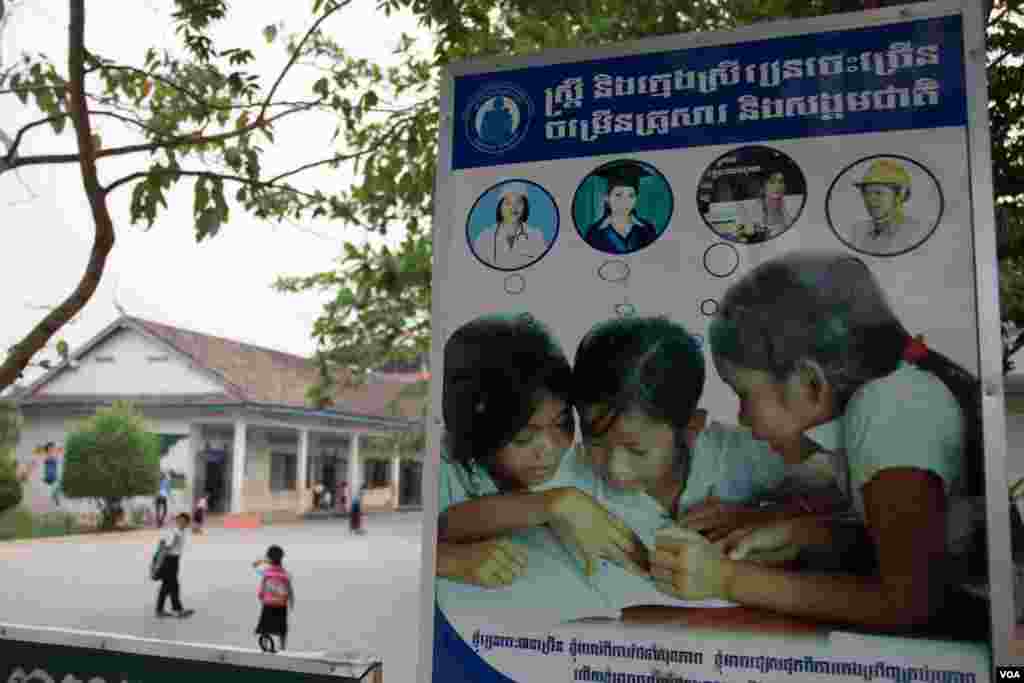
(895, 77)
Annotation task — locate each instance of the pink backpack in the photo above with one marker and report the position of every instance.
(275, 587)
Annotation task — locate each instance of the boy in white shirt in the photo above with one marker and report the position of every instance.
(172, 545)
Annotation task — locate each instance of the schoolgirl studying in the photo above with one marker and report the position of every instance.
(510, 476)
(814, 352)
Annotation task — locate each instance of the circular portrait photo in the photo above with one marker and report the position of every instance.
(622, 206)
(884, 205)
(751, 194)
(512, 225)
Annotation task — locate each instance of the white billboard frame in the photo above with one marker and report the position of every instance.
(985, 265)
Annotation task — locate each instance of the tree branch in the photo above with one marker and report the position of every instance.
(148, 74)
(1009, 350)
(31, 88)
(178, 141)
(384, 137)
(21, 354)
(129, 120)
(199, 98)
(297, 52)
(207, 174)
(12, 149)
(995, 20)
(12, 152)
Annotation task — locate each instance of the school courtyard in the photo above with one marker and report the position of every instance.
(351, 591)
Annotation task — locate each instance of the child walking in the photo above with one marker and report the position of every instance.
(355, 518)
(163, 495)
(814, 352)
(172, 545)
(276, 595)
(202, 505)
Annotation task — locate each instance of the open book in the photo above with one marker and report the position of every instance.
(555, 589)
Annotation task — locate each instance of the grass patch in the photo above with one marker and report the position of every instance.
(15, 523)
(19, 523)
(51, 524)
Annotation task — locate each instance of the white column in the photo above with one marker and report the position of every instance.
(197, 482)
(238, 467)
(302, 469)
(355, 470)
(396, 479)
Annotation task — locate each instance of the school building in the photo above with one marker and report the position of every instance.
(233, 421)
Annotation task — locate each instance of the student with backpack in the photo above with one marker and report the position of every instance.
(202, 505)
(276, 594)
(166, 566)
(355, 518)
(162, 496)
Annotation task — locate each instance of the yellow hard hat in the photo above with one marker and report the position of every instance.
(885, 172)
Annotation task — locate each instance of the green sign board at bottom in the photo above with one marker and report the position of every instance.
(22, 662)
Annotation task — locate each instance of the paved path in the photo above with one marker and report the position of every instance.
(352, 591)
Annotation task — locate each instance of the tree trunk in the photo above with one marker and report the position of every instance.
(110, 513)
(20, 355)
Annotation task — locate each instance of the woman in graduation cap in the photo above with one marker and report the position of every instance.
(621, 230)
(511, 243)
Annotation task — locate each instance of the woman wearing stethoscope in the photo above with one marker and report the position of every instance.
(511, 242)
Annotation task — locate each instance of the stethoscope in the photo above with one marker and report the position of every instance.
(520, 233)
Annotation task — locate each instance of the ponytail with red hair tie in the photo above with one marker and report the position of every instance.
(915, 351)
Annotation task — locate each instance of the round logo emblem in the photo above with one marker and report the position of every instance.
(497, 118)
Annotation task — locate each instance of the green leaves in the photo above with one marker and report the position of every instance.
(208, 224)
(382, 295)
(209, 207)
(111, 455)
(197, 110)
(10, 429)
(148, 196)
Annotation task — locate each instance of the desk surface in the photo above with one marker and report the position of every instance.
(734, 619)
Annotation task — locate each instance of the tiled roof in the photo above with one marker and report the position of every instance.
(137, 399)
(261, 375)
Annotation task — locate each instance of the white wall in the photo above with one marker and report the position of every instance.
(134, 369)
(36, 494)
(38, 430)
(257, 456)
(180, 459)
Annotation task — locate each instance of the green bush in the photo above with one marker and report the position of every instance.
(10, 430)
(15, 523)
(138, 516)
(53, 524)
(109, 457)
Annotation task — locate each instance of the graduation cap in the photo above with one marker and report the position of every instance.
(623, 173)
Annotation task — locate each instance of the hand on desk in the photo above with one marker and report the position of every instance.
(765, 545)
(777, 543)
(716, 519)
(587, 528)
(492, 563)
(688, 566)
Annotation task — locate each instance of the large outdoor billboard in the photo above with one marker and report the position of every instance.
(711, 400)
